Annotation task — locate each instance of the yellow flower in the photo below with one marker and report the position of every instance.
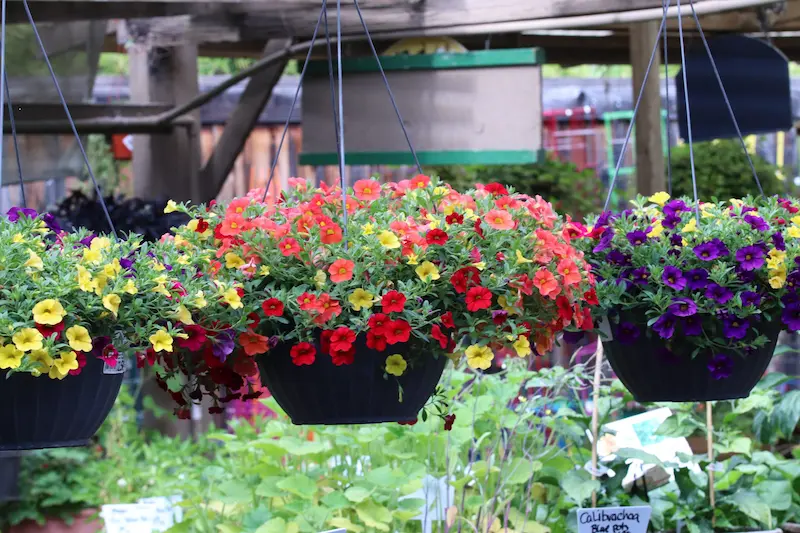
(180, 241)
(659, 198)
(777, 277)
(233, 261)
(100, 243)
(55, 373)
(192, 224)
(479, 357)
(657, 230)
(690, 226)
(199, 300)
(427, 271)
(396, 365)
(522, 346)
(111, 302)
(160, 289)
(112, 269)
(183, 260)
(27, 339)
(66, 361)
(34, 262)
(480, 265)
(388, 239)
(100, 283)
(361, 299)
(470, 215)
(736, 202)
(48, 312)
(92, 256)
(79, 339)
(521, 260)
(10, 357)
(184, 315)
(18, 238)
(367, 229)
(172, 207)
(130, 287)
(161, 280)
(43, 359)
(777, 254)
(161, 341)
(231, 297)
(263, 271)
(158, 267)
(793, 232)
(85, 280)
(320, 278)
(796, 220)
(440, 191)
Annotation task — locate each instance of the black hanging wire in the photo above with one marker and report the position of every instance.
(669, 107)
(69, 115)
(339, 75)
(334, 109)
(14, 136)
(688, 114)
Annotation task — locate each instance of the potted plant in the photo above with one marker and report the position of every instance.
(352, 313)
(695, 295)
(72, 307)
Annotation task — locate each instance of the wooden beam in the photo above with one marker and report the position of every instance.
(649, 147)
(241, 123)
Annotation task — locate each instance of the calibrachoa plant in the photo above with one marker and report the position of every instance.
(724, 285)
(413, 261)
(66, 297)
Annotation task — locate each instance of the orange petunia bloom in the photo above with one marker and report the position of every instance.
(367, 189)
(237, 206)
(327, 308)
(233, 225)
(420, 181)
(253, 344)
(341, 270)
(499, 219)
(570, 272)
(547, 284)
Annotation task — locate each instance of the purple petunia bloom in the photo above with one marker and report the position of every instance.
(673, 278)
(750, 257)
(790, 298)
(604, 218)
(126, 263)
(692, 326)
(15, 212)
(676, 240)
(720, 366)
(223, 345)
(718, 293)
(618, 258)
(637, 238)
(87, 241)
(745, 276)
(778, 241)
(734, 327)
(50, 221)
(756, 222)
(696, 278)
(665, 325)
(670, 221)
(708, 251)
(605, 241)
(793, 279)
(627, 332)
(675, 206)
(751, 298)
(640, 275)
(274, 341)
(791, 317)
(682, 307)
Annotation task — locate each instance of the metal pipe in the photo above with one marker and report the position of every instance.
(104, 125)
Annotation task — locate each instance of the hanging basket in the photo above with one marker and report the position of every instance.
(39, 412)
(323, 393)
(655, 373)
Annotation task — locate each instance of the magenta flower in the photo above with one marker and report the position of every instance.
(756, 222)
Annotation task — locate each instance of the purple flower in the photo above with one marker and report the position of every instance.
(720, 366)
(745, 276)
(223, 344)
(675, 239)
(604, 218)
(15, 212)
(793, 279)
(791, 317)
(692, 325)
(605, 241)
(777, 240)
(618, 258)
(708, 251)
(573, 337)
(627, 332)
(751, 298)
(673, 278)
(757, 223)
(637, 238)
(274, 341)
(697, 278)
(126, 263)
(87, 241)
(670, 221)
(750, 257)
(665, 325)
(790, 298)
(718, 293)
(734, 327)
(682, 307)
(51, 222)
(673, 207)
(640, 275)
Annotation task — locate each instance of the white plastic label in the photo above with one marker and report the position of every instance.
(129, 518)
(614, 520)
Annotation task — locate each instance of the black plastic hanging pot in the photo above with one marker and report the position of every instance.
(39, 412)
(327, 394)
(655, 372)
(9, 477)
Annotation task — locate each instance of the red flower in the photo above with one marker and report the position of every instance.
(436, 236)
(253, 343)
(273, 307)
(376, 341)
(289, 246)
(500, 256)
(436, 333)
(49, 331)
(215, 410)
(110, 355)
(183, 413)
(253, 320)
(377, 323)
(478, 229)
(397, 331)
(330, 232)
(523, 283)
(245, 366)
(447, 320)
(393, 302)
(564, 308)
(148, 358)
(591, 297)
(341, 270)
(499, 317)
(420, 181)
(345, 357)
(495, 188)
(465, 278)
(325, 341)
(81, 364)
(303, 353)
(408, 422)
(454, 218)
(197, 338)
(478, 298)
(202, 226)
(448, 422)
(342, 339)
(307, 301)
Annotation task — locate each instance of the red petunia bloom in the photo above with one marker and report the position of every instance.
(591, 297)
(253, 343)
(564, 308)
(378, 323)
(307, 301)
(197, 338)
(447, 320)
(341, 270)
(478, 298)
(341, 358)
(393, 302)
(326, 308)
(233, 225)
(408, 422)
(448, 421)
(253, 320)
(478, 229)
(464, 278)
(330, 232)
(146, 359)
(376, 341)
(436, 236)
(272, 307)
(523, 284)
(289, 246)
(246, 366)
(303, 353)
(397, 331)
(454, 218)
(342, 339)
(367, 189)
(49, 331)
(495, 188)
(81, 363)
(436, 333)
(202, 226)
(420, 181)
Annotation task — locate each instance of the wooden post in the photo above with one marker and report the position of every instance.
(649, 147)
(712, 496)
(598, 374)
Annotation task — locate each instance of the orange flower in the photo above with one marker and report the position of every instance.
(327, 308)
(569, 271)
(330, 233)
(341, 270)
(237, 206)
(289, 247)
(233, 225)
(420, 181)
(253, 343)
(499, 219)
(547, 284)
(367, 189)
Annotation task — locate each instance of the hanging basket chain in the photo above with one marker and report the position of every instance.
(5, 94)
(669, 107)
(341, 114)
(13, 136)
(688, 113)
(334, 109)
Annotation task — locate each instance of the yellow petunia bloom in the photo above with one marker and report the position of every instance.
(18, 238)
(777, 277)
(320, 278)
(100, 283)
(42, 360)
(388, 239)
(55, 373)
(796, 220)
(412, 259)
(79, 339)
(85, 280)
(161, 289)
(34, 261)
(161, 341)
(112, 269)
(777, 255)
(66, 361)
(502, 301)
(48, 312)
(130, 287)
(184, 315)
(10, 357)
(480, 265)
(440, 191)
(521, 259)
(361, 299)
(263, 271)
(427, 271)
(659, 198)
(171, 207)
(396, 365)
(690, 226)
(522, 346)
(231, 297)
(367, 229)
(183, 260)
(100, 243)
(656, 230)
(199, 300)
(479, 357)
(736, 202)
(111, 302)
(233, 261)
(92, 256)
(27, 339)
(793, 232)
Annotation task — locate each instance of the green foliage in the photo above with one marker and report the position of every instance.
(571, 191)
(722, 172)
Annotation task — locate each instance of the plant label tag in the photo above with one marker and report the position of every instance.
(129, 518)
(168, 513)
(118, 368)
(605, 329)
(614, 520)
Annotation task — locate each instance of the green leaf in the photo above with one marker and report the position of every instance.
(519, 471)
(234, 492)
(374, 515)
(299, 485)
(382, 477)
(579, 485)
(787, 413)
(357, 494)
(776, 494)
(344, 523)
(228, 528)
(276, 525)
(269, 488)
(336, 500)
(644, 457)
(750, 504)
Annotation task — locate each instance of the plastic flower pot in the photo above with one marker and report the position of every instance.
(358, 393)
(39, 412)
(84, 522)
(654, 372)
(9, 476)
